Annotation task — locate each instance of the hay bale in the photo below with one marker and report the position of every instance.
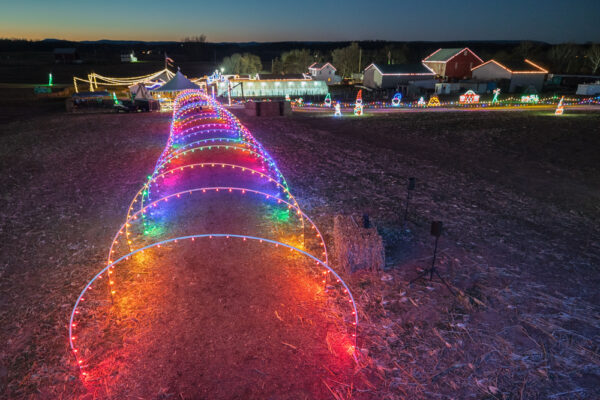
(357, 248)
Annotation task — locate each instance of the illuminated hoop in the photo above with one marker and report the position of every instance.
(197, 114)
(74, 312)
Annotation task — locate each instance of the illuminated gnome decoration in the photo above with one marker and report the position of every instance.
(397, 99)
(358, 105)
(560, 109)
(327, 102)
(338, 110)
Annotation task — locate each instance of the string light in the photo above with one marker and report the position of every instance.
(470, 97)
(560, 108)
(201, 126)
(434, 101)
(358, 104)
(496, 95)
(338, 110)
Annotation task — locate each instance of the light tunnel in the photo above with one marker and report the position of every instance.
(210, 153)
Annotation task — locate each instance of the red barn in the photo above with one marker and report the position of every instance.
(453, 63)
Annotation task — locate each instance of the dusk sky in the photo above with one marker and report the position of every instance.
(278, 20)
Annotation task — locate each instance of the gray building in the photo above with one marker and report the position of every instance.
(518, 75)
(390, 76)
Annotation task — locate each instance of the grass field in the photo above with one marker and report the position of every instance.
(518, 192)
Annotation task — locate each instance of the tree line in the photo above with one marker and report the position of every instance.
(568, 58)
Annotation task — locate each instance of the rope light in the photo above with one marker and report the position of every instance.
(201, 127)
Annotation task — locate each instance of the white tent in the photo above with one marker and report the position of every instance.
(177, 83)
(139, 91)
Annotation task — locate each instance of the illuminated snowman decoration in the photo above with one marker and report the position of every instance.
(421, 102)
(338, 110)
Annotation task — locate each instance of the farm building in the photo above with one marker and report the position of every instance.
(128, 57)
(66, 55)
(324, 72)
(390, 76)
(518, 76)
(273, 86)
(589, 89)
(455, 63)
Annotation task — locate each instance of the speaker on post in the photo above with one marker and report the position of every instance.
(436, 231)
(436, 228)
(412, 182)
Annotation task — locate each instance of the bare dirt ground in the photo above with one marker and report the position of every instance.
(518, 194)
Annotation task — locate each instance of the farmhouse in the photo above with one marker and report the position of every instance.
(389, 76)
(455, 63)
(66, 55)
(516, 76)
(128, 57)
(324, 72)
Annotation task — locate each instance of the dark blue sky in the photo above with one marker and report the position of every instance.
(276, 20)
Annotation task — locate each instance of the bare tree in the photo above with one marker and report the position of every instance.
(194, 39)
(524, 49)
(293, 62)
(346, 59)
(563, 55)
(593, 56)
(242, 64)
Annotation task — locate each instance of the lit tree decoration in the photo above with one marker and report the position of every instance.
(421, 102)
(496, 94)
(434, 101)
(50, 79)
(338, 110)
(327, 102)
(358, 105)
(396, 99)
(560, 109)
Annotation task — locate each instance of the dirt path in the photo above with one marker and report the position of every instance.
(217, 319)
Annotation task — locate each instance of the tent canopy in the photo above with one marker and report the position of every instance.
(177, 83)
